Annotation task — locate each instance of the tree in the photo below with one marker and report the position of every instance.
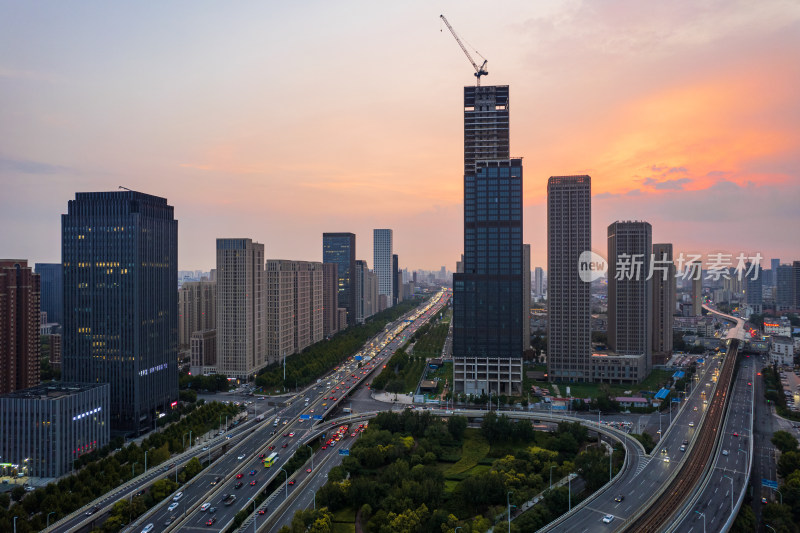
(784, 441)
(788, 463)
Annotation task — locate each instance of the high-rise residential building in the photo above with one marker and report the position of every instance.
(697, 292)
(774, 264)
(796, 283)
(397, 283)
(203, 346)
(630, 290)
(330, 299)
(19, 326)
(197, 309)
(784, 297)
(340, 248)
(526, 296)
(382, 263)
(372, 303)
(120, 258)
(241, 308)
(664, 294)
(52, 288)
(44, 429)
(487, 295)
(293, 307)
(538, 282)
(307, 304)
(753, 277)
(280, 320)
(569, 234)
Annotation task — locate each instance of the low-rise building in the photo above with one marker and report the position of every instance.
(610, 367)
(777, 326)
(43, 429)
(781, 350)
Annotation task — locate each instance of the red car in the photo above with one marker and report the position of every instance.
(262, 511)
(291, 482)
(210, 521)
(239, 476)
(272, 447)
(253, 483)
(261, 456)
(308, 470)
(284, 446)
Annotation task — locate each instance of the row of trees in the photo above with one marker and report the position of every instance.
(212, 383)
(319, 358)
(401, 374)
(101, 472)
(392, 476)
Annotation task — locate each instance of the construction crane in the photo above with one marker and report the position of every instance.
(479, 71)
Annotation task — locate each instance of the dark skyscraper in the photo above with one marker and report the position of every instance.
(330, 299)
(120, 257)
(340, 248)
(487, 296)
(19, 326)
(664, 297)
(630, 292)
(52, 281)
(569, 234)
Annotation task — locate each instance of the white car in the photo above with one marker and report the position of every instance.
(240, 457)
(148, 528)
(205, 507)
(691, 424)
(173, 506)
(724, 452)
(608, 518)
(178, 496)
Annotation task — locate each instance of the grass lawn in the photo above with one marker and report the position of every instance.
(653, 382)
(475, 448)
(347, 514)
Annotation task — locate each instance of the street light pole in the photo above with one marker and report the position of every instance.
(314, 495)
(145, 461)
(285, 484)
(779, 494)
(704, 520)
(551, 474)
(312, 456)
(508, 503)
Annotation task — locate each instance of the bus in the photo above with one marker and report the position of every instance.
(269, 461)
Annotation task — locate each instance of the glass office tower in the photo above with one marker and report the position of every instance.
(120, 266)
(340, 248)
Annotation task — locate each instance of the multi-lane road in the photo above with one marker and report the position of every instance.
(291, 433)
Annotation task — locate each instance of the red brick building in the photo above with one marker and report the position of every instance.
(19, 326)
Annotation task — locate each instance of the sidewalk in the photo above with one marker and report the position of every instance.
(390, 397)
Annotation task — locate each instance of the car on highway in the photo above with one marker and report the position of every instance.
(205, 507)
(253, 483)
(619, 498)
(238, 485)
(284, 446)
(173, 506)
(666, 458)
(211, 520)
(735, 434)
(324, 447)
(212, 510)
(691, 424)
(148, 528)
(291, 482)
(240, 457)
(178, 496)
(262, 511)
(308, 470)
(252, 472)
(725, 452)
(239, 475)
(763, 500)
(608, 518)
(261, 456)
(291, 434)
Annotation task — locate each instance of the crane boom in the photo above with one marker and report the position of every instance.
(479, 70)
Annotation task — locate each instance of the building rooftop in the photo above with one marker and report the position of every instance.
(52, 390)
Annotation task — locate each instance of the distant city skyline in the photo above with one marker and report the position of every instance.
(245, 130)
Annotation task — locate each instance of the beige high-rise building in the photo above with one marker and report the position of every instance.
(294, 306)
(197, 309)
(330, 296)
(241, 335)
(203, 353)
(663, 302)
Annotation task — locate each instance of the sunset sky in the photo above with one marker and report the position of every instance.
(279, 121)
